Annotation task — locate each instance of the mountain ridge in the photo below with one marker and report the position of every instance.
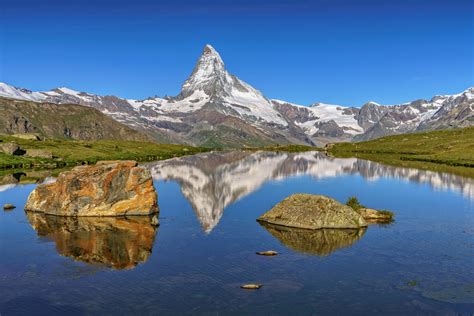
(62, 121)
(216, 108)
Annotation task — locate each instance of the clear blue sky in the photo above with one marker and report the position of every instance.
(334, 51)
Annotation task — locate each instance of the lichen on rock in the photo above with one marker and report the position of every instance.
(108, 188)
(313, 212)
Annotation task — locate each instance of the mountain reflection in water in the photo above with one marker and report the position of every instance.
(320, 242)
(119, 243)
(212, 181)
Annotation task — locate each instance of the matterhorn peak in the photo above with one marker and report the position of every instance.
(208, 74)
(209, 64)
(208, 50)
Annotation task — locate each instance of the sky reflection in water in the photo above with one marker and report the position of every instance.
(205, 246)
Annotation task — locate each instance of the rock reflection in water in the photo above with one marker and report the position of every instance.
(319, 242)
(119, 243)
(213, 181)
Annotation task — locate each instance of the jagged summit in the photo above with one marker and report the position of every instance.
(210, 52)
(211, 83)
(209, 64)
(209, 75)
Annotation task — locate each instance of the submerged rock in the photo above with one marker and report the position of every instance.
(109, 188)
(319, 242)
(8, 206)
(251, 286)
(267, 253)
(313, 212)
(375, 216)
(119, 243)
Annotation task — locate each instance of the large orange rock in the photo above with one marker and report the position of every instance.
(109, 188)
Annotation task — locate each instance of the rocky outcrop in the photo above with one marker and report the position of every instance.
(313, 212)
(119, 243)
(375, 216)
(109, 188)
(456, 111)
(38, 153)
(10, 148)
(27, 136)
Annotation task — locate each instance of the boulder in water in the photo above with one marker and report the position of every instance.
(310, 211)
(109, 188)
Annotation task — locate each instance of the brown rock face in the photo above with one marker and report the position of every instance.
(119, 243)
(109, 188)
(313, 212)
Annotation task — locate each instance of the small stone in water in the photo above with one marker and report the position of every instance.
(155, 221)
(267, 253)
(251, 286)
(8, 206)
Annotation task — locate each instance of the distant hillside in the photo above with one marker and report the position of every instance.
(66, 121)
(446, 150)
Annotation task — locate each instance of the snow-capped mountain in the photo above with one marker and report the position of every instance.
(455, 111)
(322, 121)
(215, 108)
(410, 117)
(211, 83)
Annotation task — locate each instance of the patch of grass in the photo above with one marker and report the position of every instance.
(354, 203)
(441, 151)
(73, 152)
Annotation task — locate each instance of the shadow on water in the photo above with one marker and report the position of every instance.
(119, 243)
(319, 242)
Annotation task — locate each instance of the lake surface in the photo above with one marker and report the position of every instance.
(204, 249)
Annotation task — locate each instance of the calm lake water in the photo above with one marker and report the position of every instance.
(205, 247)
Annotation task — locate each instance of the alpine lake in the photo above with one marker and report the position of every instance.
(205, 247)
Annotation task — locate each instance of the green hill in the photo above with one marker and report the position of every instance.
(446, 150)
(62, 121)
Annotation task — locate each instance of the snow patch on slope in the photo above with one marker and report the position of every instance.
(321, 112)
(20, 94)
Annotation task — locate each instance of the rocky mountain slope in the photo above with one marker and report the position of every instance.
(215, 108)
(61, 121)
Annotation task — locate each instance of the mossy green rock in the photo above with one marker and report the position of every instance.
(313, 212)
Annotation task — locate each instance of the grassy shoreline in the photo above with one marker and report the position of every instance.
(286, 148)
(74, 152)
(440, 151)
(449, 151)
